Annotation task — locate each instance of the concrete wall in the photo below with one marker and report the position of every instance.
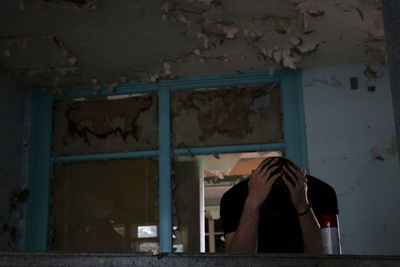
(12, 192)
(350, 135)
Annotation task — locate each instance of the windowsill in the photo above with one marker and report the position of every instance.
(186, 259)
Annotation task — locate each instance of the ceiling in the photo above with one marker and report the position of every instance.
(55, 44)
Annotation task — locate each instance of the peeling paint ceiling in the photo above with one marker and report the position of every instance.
(54, 44)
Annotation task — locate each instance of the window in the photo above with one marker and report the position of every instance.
(123, 162)
(207, 176)
(103, 206)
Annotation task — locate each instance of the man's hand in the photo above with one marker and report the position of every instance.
(261, 181)
(296, 181)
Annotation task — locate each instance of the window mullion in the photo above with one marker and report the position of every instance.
(39, 172)
(164, 165)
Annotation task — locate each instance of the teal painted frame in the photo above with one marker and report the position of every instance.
(41, 160)
(39, 172)
(164, 166)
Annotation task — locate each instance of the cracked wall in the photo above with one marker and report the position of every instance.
(98, 126)
(13, 186)
(351, 145)
(208, 117)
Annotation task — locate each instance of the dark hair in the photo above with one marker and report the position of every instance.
(280, 194)
(281, 162)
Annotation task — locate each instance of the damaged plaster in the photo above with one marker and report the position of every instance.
(349, 133)
(275, 38)
(375, 154)
(226, 116)
(194, 37)
(332, 81)
(13, 165)
(289, 34)
(89, 4)
(105, 125)
(67, 62)
(372, 77)
(12, 217)
(392, 150)
(260, 103)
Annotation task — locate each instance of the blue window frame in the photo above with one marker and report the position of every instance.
(41, 161)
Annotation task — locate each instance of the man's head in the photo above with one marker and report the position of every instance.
(277, 161)
(279, 187)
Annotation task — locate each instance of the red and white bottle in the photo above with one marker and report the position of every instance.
(330, 234)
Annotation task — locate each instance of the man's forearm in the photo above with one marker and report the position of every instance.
(311, 231)
(246, 235)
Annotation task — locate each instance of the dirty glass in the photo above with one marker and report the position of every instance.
(105, 206)
(109, 124)
(229, 116)
(199, 183)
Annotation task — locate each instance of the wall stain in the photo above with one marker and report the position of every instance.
(375, 154)
(332, 82)
(394, 218)
(392, 150)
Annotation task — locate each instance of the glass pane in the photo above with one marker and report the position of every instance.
(111, 124)
(186, 204)
(105, 206)
(230, 116)
(200, 182)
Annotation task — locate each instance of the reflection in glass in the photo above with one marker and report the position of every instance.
(149, 247)
(100, 205)
(200, 182)
(147, 231)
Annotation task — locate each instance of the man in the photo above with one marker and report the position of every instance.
(276, 210)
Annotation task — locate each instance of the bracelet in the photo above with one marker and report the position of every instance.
(304, 212)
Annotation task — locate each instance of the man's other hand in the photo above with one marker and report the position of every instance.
(296, 181)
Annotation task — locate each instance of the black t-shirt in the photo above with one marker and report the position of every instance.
(279, 227)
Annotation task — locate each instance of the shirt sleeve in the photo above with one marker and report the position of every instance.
(230, 212)
(325, 201)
